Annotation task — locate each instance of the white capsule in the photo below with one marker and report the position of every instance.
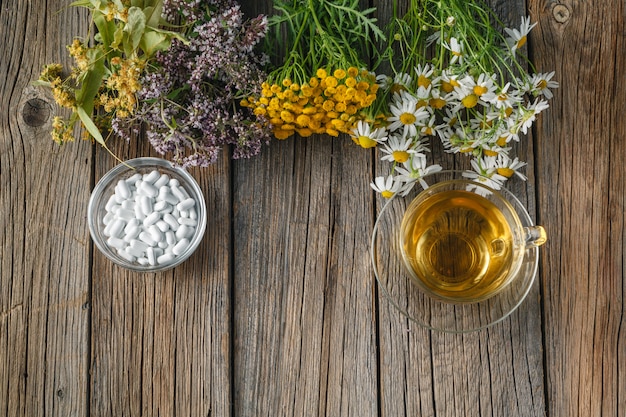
(150, 256)
(139, 245)
(148, 189)
(182, 232)
(170, 238)
(152, 177)
(151, 219)
(110, 203)
(162, 245)
(166, 258)
(146, 205)
(156, 234)
(139, 213)
(180, 247)
(147, 238)
(123, 189)
(134, 251)
(116, 242)
(163, 180)
(130, 258)
(133, 179)
(131, 224)
(171, 221)
(108, 218)
(117, 227)
(183, 213)
(128, 204)
(126, 214)
(193, 214)
(143, 261)
(187, 221)
(162, 205)
(186, 204)
(177, 192)
(163, 226)
(174, 182)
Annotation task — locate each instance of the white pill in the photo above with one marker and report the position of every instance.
(166, 258)
(150, 256)
(148, 189)
(136, 252)
(151, 219)
(193, 214)
(117, 227)
(139, 213)
(182, 232)
(108, 218)
(174, 182)
(187, 221)
(146, 205)
(183, 213)
(151, 177)
(128, 204)
(143, 261)
(162, 206)
(177, 192)
(171, 221)
(163, 226)
(130, 258)
(139, 245)
(131, 224)
(186, 204)
(180, 247)
(133, 179)
(126, 214)
(156, 234)
(163, 180)
(110, 203)
(116, 242)
(170, 237)
(147, 238)
(123, 189)
(163, 245)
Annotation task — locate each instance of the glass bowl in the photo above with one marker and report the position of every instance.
(101, 205)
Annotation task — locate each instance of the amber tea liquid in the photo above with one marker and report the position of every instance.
(458, 245)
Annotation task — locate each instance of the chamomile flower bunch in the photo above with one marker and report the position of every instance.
(319, 86)
(459, 79)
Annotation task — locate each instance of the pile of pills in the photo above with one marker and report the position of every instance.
(150, 219)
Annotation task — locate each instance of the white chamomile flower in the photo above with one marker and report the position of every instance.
(399, 148)
(528, 115)
(405, 115)
(387, 187)
(503, 98)
(401, 82)
(456, 48)
(415, 170)
(542, 83)
(366, 137)
(485, 83)
(424, 75)
(508, 167)
(518, 38)
(484, 173)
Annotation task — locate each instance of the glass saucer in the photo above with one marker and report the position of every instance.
(406, 296)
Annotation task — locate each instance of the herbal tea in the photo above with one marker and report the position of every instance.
(458, 244)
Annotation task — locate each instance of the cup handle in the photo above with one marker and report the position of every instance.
(535, 236)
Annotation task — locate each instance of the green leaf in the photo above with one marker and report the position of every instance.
(106, 29)
(153, 41)
(135, 27)
(90, 126)
(93, 80)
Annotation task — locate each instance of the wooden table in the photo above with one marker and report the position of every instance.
(278, 312)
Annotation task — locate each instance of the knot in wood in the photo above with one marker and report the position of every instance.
(561, 13)
(36, 112)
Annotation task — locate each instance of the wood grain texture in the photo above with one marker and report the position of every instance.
(581, 197)
(44, 266)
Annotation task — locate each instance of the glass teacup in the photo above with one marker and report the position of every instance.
(462, 241)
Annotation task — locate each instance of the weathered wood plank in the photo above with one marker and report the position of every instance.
(494, 372)
(582, 203)
(44, 266)
(161, 342)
